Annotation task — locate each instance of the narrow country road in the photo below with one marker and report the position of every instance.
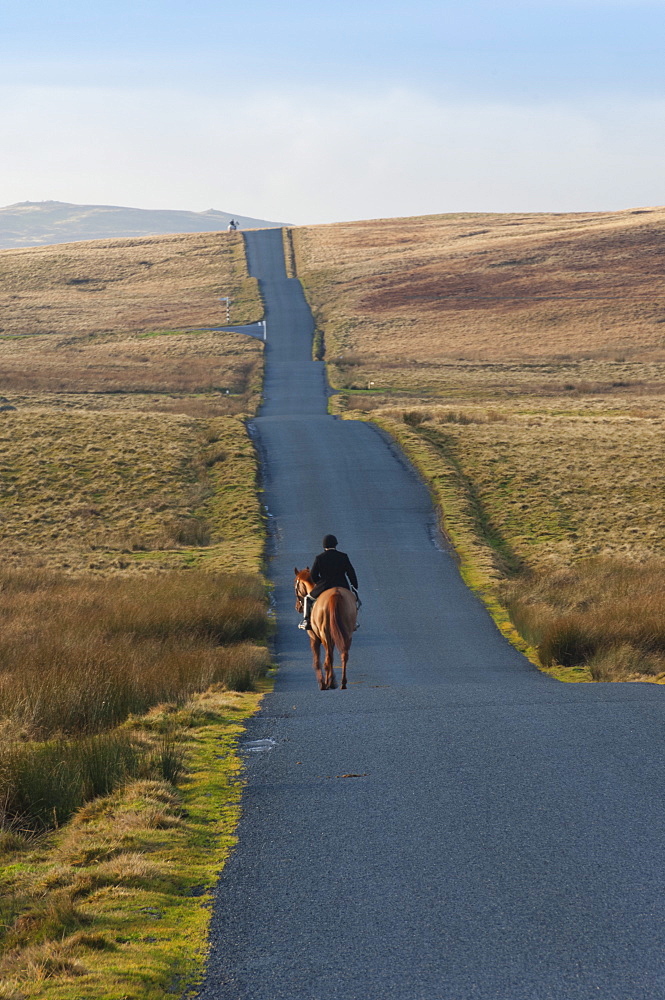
(455, 825)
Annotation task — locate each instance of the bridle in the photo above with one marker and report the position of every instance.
(301, 592)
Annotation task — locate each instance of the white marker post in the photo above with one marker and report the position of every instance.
(265, 331)
(226, 298)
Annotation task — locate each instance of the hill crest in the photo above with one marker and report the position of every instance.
(41, 223)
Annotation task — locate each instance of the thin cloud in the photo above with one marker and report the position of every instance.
(321, 156)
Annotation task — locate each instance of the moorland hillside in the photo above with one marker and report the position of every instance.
(520, 359)
(110, 380)
(494, 287)
(132, 603)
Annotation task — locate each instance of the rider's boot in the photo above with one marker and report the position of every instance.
(308, 604)
(359, 605)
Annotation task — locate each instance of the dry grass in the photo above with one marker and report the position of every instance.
(558, 488)
(150, 481)
(115, 903)
(93, 367)
(493, 286)
(126, 285)
(124, 450)
(568, 307)
(111, 424)
(125, 488)
(81, 655)
(532, 497)
(604, 613)
(521, 362)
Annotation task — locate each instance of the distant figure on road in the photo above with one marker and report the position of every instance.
(233, 225)
(330, 569)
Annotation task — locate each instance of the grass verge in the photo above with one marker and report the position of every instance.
(116, 904)
(460, 521)
(595, 618)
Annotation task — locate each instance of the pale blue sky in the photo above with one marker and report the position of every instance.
(325, 111)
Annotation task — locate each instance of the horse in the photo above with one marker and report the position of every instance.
(332, 624)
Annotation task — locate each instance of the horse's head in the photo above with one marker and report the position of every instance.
(303, 584)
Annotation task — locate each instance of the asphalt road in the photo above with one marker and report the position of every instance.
(455, 825)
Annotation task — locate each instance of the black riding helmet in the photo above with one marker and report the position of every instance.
(329, 542)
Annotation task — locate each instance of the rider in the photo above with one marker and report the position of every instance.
(330, 569)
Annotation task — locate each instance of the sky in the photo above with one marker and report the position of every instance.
(310, 112)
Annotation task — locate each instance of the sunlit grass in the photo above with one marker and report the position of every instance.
(134, 285)
(115, 903)
(603, 613)
(520, 361)
(132, 540)
(83, 490)
(79, 656)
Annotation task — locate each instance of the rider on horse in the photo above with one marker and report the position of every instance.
(330, 569)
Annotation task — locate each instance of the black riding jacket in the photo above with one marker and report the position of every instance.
(332, 569)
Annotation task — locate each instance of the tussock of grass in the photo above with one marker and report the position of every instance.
(41, 963)
(51, 917)
(43, 783)
(80, 655)
(115, 904)
(604, 613)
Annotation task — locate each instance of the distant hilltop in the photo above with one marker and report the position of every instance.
(39, 223)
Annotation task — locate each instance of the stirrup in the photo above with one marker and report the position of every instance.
(304, 625)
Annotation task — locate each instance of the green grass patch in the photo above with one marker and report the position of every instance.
(481, 566)
(116, 904)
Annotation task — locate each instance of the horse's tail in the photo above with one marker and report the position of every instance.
(337, 630)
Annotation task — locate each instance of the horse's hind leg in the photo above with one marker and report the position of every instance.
(328, 666)
(344, 653)
(315, 643)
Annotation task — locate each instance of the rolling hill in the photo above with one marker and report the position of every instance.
(39, 223)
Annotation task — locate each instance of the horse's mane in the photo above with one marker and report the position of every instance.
(304, 575)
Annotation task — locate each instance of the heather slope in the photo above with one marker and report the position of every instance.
(520, 360)
(496, 287)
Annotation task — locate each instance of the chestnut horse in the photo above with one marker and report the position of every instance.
(332, 624)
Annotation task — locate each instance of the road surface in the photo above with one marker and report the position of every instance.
(455, 825)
